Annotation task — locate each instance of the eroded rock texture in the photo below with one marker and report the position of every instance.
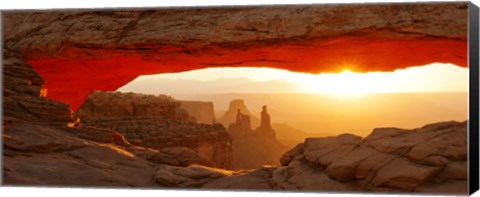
(430, 159)
(76, 52)
(106, 49)
(24, 95)
(156, 122)
(41, 146)
(38, 148)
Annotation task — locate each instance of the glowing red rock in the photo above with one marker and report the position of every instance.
(81, 51)
(72, 80)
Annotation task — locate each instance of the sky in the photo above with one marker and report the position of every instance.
(420, 95)
(429, 78)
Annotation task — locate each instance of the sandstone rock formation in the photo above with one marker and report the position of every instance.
(430, 159)
(241, 127)
(265, 129)
(231, 115)
(117, 46)
(156, 122)
(103, 50)
(253, 148)
(103, 105)
(24, 97)
(201, 110)
(40, 149)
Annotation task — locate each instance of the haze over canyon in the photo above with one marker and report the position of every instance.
(368, 98)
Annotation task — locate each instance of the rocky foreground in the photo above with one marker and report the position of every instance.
(430, 159)
(43, 145)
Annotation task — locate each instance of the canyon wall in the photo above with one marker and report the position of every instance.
(155, 122)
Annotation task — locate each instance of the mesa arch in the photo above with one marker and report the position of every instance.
(78, 51)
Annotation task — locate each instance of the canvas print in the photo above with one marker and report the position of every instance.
(310, 98)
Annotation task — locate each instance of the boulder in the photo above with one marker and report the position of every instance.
(403, 174)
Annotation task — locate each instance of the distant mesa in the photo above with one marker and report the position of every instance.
(242, 125)
(252, 148)
(230, 116)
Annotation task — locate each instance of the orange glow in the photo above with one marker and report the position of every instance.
(110, 69)
(346, 84)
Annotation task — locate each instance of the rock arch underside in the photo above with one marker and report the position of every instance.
(53, 60)
(80, 51)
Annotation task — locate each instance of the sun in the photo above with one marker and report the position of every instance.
(344, 85)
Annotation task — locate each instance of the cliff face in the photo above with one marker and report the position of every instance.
(202, 111)
(156, 122)
(24, 95)
(105, 105)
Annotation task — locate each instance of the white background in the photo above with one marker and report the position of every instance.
(70, 192)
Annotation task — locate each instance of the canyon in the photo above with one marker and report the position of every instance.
(63, 128)
(38, 150)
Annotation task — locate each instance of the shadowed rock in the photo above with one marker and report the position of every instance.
(156, 122)
(349, 163)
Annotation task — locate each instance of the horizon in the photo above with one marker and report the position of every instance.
(427, 91)
(427, 78)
